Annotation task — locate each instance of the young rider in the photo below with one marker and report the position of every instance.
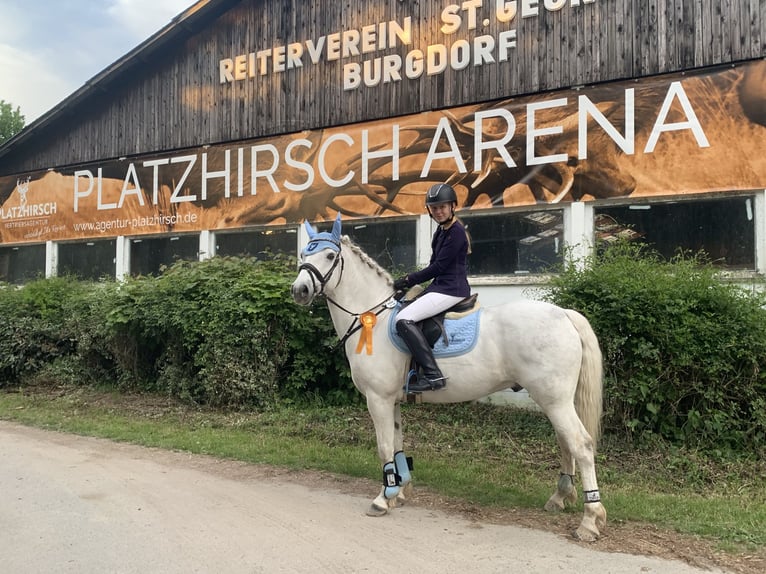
(449, 274)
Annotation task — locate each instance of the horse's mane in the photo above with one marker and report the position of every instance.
(369, 261)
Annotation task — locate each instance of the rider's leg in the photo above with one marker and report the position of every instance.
(425, 306)
(431, 377)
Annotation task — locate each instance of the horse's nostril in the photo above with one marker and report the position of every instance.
(300, 292)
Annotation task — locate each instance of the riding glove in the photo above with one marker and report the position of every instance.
(401, 284)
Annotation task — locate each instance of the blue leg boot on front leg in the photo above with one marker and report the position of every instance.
(403, 467)
(431, 378)
(391, 481)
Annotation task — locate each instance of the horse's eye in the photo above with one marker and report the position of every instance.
(330, 256)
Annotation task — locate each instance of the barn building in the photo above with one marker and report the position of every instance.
(559, 122)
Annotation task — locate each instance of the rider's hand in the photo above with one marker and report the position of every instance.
(401, 284)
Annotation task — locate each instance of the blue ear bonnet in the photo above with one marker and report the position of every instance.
(323, 240)
(320, 241)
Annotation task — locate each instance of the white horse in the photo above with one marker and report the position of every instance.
(551, 352)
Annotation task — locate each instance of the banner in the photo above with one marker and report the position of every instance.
(669, 135)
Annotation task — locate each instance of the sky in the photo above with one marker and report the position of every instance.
(51, 48)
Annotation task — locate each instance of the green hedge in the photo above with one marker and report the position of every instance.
(224, 332)
(685, 352)
(49, 329)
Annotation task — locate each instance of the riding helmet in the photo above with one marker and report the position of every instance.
(440, 193)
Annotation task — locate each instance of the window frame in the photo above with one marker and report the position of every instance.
(756, 211)
(88, 242)
(251, 230)
(169, 238)
(518, 275)
(16, 278)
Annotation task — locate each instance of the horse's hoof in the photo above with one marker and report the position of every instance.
(553, 505)
(375, 510)
(404, 493)
(601, 517)
(586, 534)
(398, 501)
(601, 522)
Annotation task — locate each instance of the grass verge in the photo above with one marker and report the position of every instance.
(483, 455)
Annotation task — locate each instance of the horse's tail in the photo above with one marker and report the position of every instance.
(589, 393)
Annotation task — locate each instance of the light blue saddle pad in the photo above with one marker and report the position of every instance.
(462, 335)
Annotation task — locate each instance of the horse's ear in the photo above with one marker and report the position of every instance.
(336, 228)
(309, 229)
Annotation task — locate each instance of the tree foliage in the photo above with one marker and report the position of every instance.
(11, 121)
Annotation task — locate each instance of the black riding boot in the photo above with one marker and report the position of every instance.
(431, 378)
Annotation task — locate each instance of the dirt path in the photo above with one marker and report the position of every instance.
(71, 504)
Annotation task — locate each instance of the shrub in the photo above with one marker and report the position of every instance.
(223, 332)
(684, 351)
(41, 324)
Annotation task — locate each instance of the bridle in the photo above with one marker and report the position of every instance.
(316, 275)
(322, 280)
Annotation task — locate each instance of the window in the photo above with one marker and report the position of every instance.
(390, 242)
(514, 243)
(91, 260)
(22, 263)
(722, 228)
(258, 243)
(148, 256)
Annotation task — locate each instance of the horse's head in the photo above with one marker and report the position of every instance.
(319, 260)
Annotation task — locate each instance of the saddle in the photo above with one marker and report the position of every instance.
(433, 327)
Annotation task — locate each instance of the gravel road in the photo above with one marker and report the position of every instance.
(71, 504)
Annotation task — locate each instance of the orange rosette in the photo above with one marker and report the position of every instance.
(368, 321)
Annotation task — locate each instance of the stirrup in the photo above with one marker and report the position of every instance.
(423, 384)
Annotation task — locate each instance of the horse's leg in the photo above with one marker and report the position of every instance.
(565, 490)
(594, 516)
(571, 433)
(400, 459)
(382, 412)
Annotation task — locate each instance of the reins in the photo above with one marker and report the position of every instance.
(356, 324)
(317, 277)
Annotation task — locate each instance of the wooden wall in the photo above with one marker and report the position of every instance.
(172, 98)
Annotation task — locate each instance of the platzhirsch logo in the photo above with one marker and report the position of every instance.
(26, 210)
